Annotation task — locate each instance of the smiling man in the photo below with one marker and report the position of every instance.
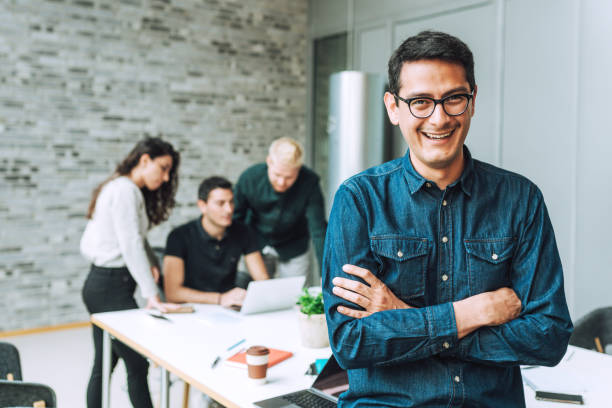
(201, 258)
(441, 274)
(282, 200)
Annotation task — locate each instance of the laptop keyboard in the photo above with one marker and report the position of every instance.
(309, 400)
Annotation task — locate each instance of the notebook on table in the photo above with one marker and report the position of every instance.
(324, 392)
(276, 356)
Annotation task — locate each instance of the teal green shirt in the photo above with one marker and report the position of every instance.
(285, 221)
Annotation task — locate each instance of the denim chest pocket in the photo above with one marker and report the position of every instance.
(403, 263)
(488, 263)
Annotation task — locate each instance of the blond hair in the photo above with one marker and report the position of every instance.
(287, 152)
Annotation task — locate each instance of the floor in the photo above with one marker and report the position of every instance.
(62, 359)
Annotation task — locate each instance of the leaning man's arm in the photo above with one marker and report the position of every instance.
(383, 338)
(540, 335)
(256, 266)
(315, 216)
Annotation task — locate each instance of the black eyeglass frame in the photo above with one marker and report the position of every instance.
(437, 102)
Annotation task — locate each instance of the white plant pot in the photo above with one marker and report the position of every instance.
(313, 330)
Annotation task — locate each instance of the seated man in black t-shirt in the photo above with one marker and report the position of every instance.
(201, 256)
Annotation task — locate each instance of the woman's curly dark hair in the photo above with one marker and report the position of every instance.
(159, 202)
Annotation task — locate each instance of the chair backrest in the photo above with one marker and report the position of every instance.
(10, 365)
(24, 394)
(159, 253)
(597, 323)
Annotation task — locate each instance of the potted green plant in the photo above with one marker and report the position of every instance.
(313, 327)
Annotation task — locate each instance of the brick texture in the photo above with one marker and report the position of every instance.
(82, 80)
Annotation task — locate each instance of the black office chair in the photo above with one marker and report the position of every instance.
(595, 324)
(24, 394)
(10, 365)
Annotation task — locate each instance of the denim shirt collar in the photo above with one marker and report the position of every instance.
(416, 181)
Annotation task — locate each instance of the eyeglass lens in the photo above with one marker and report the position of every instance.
(453, 105)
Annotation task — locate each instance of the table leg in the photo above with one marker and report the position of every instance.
(165, 385)
(106, 363)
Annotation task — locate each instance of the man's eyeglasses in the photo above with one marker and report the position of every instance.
(423, 107)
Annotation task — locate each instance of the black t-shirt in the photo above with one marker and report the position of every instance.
(210, 264)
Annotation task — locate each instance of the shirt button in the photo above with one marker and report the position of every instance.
(445, 345)
(428, 185)
(457, 379)
(444, 203)
(495, 256)
(400, 254)
(445, 277)
(445, 240)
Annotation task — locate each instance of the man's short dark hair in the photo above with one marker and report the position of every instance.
(209, 184)
(428, 45)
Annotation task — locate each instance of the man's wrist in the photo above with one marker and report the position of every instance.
(470, 314)
(219, 298)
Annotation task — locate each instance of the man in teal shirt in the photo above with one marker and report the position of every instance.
(282, 201)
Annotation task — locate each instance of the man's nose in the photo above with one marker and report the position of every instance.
(439, 115)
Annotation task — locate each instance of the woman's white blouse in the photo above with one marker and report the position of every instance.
(116, 234)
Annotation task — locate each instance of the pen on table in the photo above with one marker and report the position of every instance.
(158, 315)
(233, 346)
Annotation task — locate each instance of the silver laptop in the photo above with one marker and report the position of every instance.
(272, 294)
(324, 392)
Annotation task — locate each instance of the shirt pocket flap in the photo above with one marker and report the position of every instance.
(493, 251)
(399, 248)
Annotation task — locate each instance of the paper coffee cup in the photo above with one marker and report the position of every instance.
(257, 363)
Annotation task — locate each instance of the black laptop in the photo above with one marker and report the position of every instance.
(324, 392)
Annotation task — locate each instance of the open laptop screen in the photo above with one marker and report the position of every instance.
(332, 380)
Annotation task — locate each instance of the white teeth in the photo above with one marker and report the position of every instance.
(432, 136)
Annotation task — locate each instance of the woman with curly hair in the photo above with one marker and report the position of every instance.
(138, 195)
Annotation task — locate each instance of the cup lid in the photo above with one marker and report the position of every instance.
(258, 350)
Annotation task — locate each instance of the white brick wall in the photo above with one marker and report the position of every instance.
(82, 80)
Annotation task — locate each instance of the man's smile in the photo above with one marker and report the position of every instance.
(437, 135)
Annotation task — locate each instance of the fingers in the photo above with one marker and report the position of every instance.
(352, 297)
(363, 273)
(358, 314)
(352, 285)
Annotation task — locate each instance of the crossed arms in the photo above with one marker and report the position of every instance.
(526, 323)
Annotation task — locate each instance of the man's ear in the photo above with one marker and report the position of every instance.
(474, 99)
(392, 108)
(202, 206)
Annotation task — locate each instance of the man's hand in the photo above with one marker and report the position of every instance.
(232, 297)
(373, 298)
(500, 307)
(486, 309)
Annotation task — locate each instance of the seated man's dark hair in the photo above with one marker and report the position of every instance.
(210, 183)
(428, 45)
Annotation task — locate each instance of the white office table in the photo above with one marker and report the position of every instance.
(188, 344)
(581, 371)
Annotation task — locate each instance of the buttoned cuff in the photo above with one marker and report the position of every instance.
(442, 326)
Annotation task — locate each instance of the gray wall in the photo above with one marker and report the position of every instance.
(82, 81)
(542, 68)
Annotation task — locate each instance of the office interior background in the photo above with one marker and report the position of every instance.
(82, 80)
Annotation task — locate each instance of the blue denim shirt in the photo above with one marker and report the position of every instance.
(489, 229)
